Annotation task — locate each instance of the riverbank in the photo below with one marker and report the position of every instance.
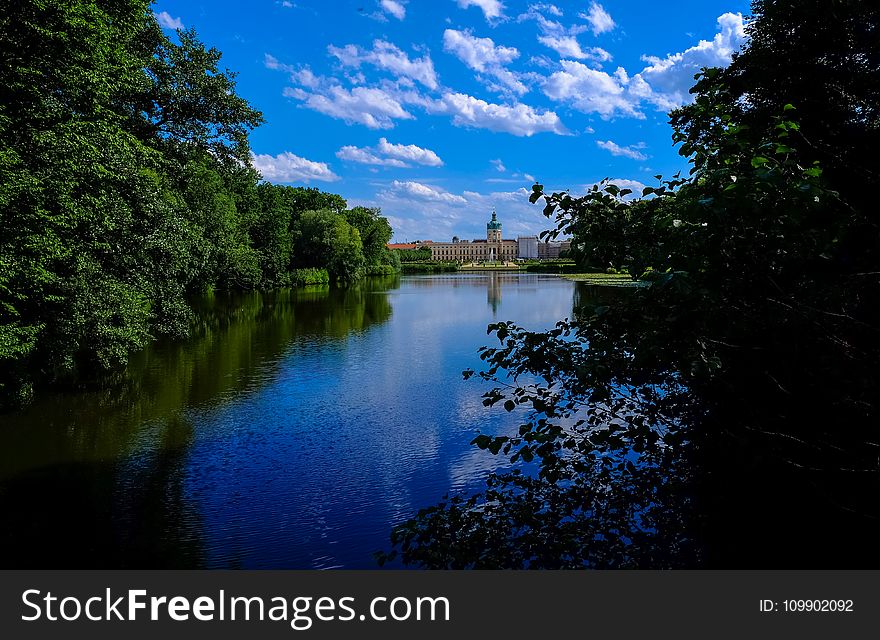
(603, 279)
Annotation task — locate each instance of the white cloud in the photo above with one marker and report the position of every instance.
(424, 192)
(167, 22)
(599, 19)
(518, 119)
(563, 40)
(631, 151)
(498, 164)
(592, 91)
(367, 156)
(482, 55)
(396, 8)
(388, 57)
(287, 167)
(552, 9)
(271, 62)
(666, 81)
(368, 106)
(387, 154)
(409, 153)
(427, 212)
(569, 47)
(492, 9)
(477, 53)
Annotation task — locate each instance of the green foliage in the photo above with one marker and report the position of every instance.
(374, 230)
(428, 267)
(381, 270)
(554, 267)
(422, 254)
(325, 239)
(735, 391)
(309, 276)
(125, 185)
(192, 103)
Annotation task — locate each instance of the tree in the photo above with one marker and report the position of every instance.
(721, 414)
(324, 239)
(191, 103)
(125, 185)
(375, 232)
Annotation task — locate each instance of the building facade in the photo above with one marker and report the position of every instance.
(493, 249)
(551, 250)
(528, 247)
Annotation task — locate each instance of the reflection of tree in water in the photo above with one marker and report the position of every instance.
(587, 297)
(105, 513)
(97, 478)
(336, 312)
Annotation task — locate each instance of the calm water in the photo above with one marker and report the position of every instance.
(293, 430)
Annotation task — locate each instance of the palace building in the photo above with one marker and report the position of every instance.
(493, 249)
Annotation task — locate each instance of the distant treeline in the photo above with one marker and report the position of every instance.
(428, 267)
(421, 254)
(126, 185)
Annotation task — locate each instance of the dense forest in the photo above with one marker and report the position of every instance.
(725, 413)
(126, 187)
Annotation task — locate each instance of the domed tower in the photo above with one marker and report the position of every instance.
(493, 229)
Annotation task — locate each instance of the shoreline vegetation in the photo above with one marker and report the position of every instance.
(127, 190)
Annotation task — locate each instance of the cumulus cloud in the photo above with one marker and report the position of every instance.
(563, 40)
(427, 212)
(424, 192)
(388, 57)
(482, 55)
(518, 119)
(387, 154)
(409, 153)
(631, 151)
(599, 19)
(592, 91)
(167, 22)
(365, 155)
(569, 47)
(369, 106)
(477, 53)
(492, 9)
(287, 167)
(396, 8)
(499, 165)
(666, 81)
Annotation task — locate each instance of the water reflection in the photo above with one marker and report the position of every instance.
(292, 430)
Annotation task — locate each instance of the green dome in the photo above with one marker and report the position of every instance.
(494, 224)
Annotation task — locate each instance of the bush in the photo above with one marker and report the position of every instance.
(308, 276)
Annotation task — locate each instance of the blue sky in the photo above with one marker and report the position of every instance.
(439, 110)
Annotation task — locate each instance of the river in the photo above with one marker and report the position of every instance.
(293, 429)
